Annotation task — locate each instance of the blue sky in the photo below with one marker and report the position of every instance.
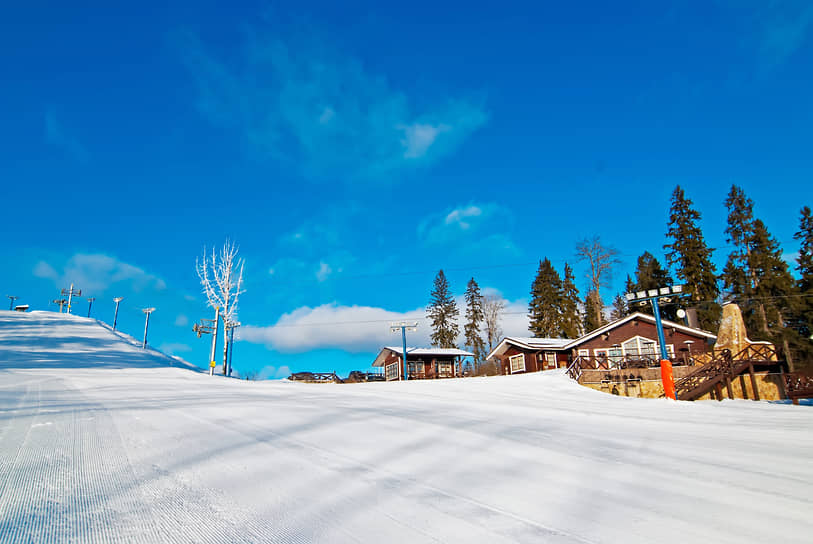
(353, 150)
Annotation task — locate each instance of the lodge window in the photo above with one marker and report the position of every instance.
(445, 370)
(391, 371)
(517, 363)
(551, 360)
(415, 368)
(644, 347)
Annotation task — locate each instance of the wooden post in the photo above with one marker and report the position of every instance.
(728, 387)
(718, 390)
(754, 386)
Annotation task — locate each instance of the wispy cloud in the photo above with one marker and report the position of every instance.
(470, 226)
(174, 348)
(324, 112)
(94, 273)
(181, 321)
(57, 136)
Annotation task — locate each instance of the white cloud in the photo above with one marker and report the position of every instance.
(470, 228)
(273, 373)
(181, 321)
(324, 271)
(359, 329)
(352, 328)
(94, 273)
(322, 112)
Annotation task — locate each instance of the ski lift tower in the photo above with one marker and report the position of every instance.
(666, 294)
(70, 293)
(209, 326)
(404, 326)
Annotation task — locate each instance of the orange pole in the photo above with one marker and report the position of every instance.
(668, 379)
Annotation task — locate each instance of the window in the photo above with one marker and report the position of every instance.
(584, 353)
(391, 371)
(445, 370)
(415, 368)
(550, 359)
(615, 355)
(517, 363)
(646, 348)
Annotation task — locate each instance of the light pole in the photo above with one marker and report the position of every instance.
(653, 296)
(147, 311)
(71, 293)
(404, 326)
(207, 326)
(90, 304)
(12, 298)
(232, 325)
(115, 315)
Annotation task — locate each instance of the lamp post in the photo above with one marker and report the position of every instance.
(71, 293)
(90, 304)
(653, 296)
(147, 311)
(207, 326)
(11, 298)
(404, 326)
(117, 300)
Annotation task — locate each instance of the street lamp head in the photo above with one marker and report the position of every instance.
(118, 299)
(148, 310)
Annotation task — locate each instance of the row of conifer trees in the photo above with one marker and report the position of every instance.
(776, 306)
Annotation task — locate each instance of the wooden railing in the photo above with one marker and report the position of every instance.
(723, 368)
(798, 386)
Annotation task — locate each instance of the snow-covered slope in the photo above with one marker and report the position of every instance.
(55, 340)
(160, 454)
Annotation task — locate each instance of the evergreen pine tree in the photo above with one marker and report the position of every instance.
(805, 268)
(570, 320)
(649, 274)
(474, 318)
(774, 291)
(546, 299)
(620, 308)
(442, 312)
(691, 258)
(738, 276)
(593, 311)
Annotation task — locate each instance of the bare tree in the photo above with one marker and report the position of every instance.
(221, 276)
(493, 306)
(601, 260)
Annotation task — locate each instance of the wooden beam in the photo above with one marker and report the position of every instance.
(728, 387)
(754, 386)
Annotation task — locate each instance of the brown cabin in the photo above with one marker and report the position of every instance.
(632, 338)
(422, 363)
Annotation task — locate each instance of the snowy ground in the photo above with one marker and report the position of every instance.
(102, 442)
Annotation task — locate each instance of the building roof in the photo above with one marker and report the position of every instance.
(566, 344)
(430, 352)
(642, 317)
(533, 344)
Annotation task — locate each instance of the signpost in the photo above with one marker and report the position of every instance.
(653, 296)
(404, 326)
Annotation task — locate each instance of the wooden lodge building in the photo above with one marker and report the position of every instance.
(634, 337)
(422, 363)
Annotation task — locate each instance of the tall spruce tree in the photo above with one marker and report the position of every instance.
(649, 274)
(593, 311)
(474, 319)
(442, 312)
(738, 276)
(570, 320)
(691, 259)
(620, 307)
(546, 299)
(804, 265)
(774, 291)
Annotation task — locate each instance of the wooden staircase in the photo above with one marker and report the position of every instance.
(722, 369)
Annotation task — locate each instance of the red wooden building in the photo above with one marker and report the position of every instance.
(422, 363)
(632, 337)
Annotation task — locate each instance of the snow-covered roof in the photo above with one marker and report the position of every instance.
(529, 343)
(430, 352)
(642, 317)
